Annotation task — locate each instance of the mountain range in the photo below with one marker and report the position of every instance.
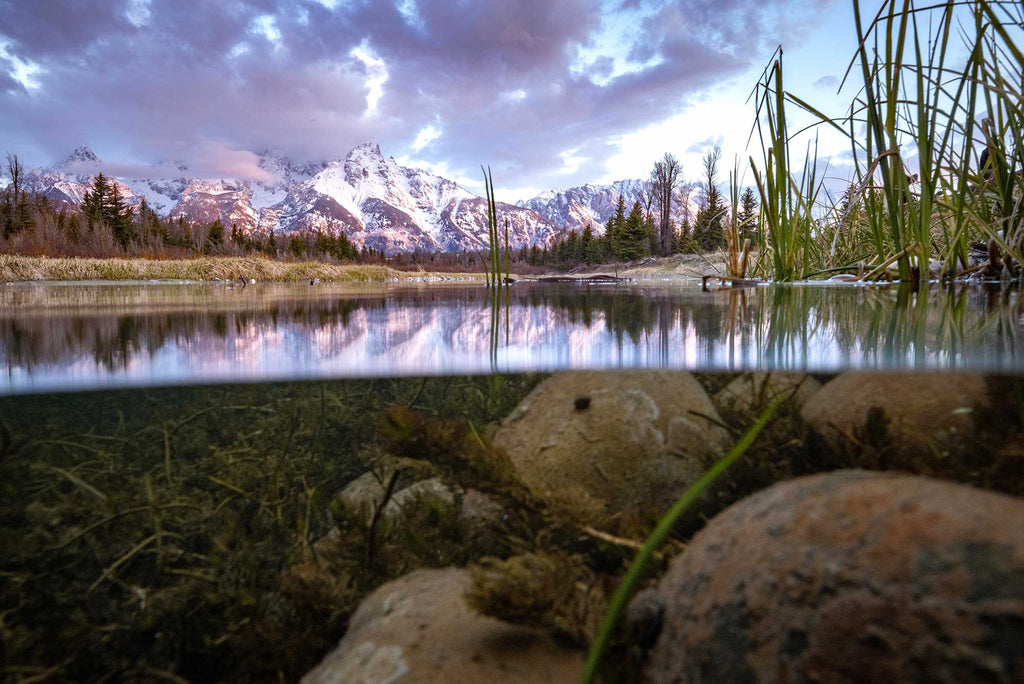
(372, 199)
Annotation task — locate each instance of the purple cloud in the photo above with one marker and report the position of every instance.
(140, 81)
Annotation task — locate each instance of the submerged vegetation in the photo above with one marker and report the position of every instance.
(200, 533)
(195, 533)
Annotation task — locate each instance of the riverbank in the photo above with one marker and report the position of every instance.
(17, 268)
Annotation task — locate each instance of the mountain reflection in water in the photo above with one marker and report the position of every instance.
(85, 336)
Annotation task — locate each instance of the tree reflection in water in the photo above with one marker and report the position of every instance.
(191, 333)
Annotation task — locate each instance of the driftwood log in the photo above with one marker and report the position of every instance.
(582, 279)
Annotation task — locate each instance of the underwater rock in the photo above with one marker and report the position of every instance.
(485, 522)
(915, 411)
(849, 576)
(636, 443)
(755, 390)
(418, 628)
(367, 490)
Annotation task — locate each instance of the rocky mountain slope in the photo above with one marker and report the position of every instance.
(574, 208)
(373, 200)
(65, 184)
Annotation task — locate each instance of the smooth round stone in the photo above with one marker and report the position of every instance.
(418, 628)
(632, 440)
(919, 410)
(848, 576)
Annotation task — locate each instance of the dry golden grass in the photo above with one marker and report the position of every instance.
(23, 268)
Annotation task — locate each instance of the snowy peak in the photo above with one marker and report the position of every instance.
(363, 162)
(384, 205)
(373, 200)
(81, 155)
(574, 208)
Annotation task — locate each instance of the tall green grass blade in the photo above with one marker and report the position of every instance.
(618, 602)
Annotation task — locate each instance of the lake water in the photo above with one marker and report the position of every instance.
(186, 522)
(105, 335)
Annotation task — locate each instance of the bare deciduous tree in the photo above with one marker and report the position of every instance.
(16, 172)
(665, 178)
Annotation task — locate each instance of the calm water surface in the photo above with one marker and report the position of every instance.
(96, 335)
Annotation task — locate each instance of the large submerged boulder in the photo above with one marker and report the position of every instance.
(418, 628)
(848, 576)
(911, 412)
(630, 440)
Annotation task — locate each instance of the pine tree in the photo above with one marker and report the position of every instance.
(297, 246)
(631, 241)
(118, 216)
(748, 215)
(589, 246)
(613, 227)
(215, 236)
(105, 205)
(92, 203)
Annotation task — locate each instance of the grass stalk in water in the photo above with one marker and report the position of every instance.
(786, 206)
(617, 605)
(963, 124)
(494, 272)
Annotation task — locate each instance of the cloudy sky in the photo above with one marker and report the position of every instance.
(549, 93)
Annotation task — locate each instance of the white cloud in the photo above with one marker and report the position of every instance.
(423, 138)
(410, 13)
(266, 26)
(138, 12)
(376, 75)
(608, 53)
(571, 161)
(23, 71)
(517, 95)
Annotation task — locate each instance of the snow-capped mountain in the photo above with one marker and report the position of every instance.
(574, 208)
(65, 184)
(172, 190)
(372, 199)
(384, 205)
(204, 201)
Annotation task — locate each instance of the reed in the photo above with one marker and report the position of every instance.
(786, 204)
(925, 101)
(493, 269)
(736, 253)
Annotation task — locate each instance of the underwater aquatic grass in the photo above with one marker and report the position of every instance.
(617, 604)
(200, 513)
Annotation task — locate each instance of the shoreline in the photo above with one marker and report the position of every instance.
(16, 268)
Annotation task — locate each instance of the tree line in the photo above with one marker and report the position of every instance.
(105, 226)
(649, 228)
